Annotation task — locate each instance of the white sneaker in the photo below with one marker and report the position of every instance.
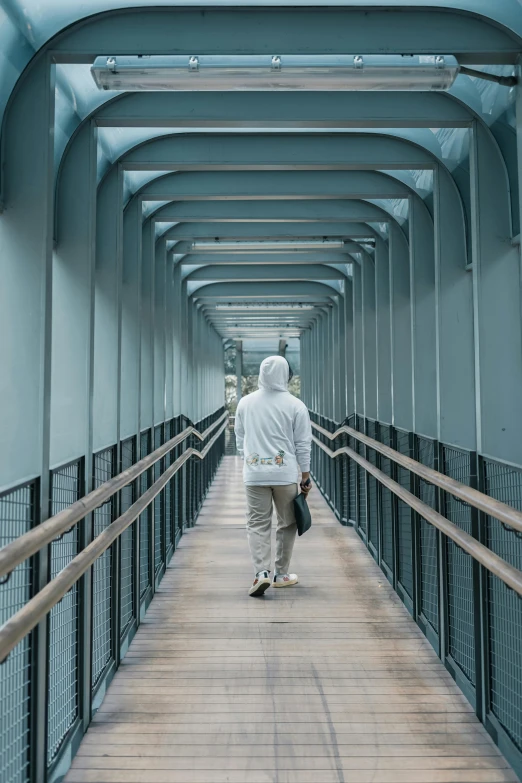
(261, 584)
(285, 580)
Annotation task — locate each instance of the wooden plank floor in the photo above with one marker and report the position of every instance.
(327, 682)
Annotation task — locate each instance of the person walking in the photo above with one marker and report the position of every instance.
(274, 438)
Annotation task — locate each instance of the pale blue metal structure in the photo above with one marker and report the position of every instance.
(112, 325)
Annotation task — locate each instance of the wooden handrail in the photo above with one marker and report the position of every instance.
(510, 575)
(28, 617)
(494, 508)
(31, 542)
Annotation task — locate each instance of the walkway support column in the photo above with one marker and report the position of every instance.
(239, 368)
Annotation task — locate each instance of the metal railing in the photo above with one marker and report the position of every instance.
(61, 645)
(445, 526)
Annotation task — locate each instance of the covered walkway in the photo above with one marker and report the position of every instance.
(331, 681)
(187, 186)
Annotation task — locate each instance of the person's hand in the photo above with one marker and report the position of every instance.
(306, 484)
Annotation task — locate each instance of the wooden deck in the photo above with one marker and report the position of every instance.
(327, 682)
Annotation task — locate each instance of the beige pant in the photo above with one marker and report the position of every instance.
(259, 525)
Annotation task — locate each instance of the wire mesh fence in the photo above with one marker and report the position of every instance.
(127, 539)
(504, 607)
(98, 614)
(159, 508)
(104, 468)
(178, 487)
(459, 567)
(17, 516)
(472, 619)
(428, 540)
(169, 493)
(404, 518)
(63, 678)
(362, 521)
(386, 505)
(145, 518)
(373, 515)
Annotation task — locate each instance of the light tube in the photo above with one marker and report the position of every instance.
(292, 245)
(276, 72)
(262, 307)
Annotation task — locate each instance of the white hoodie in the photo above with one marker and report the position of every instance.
(273, 431)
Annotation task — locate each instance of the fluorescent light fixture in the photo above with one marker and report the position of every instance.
(262, 306)
(262, 246)
(276, 72)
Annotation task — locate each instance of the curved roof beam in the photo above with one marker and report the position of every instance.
(250, 272)
(279, 152)
(302, 290)
(292, 110)
(268, 185)
(231, 211)
(187, 232)
(213, 259)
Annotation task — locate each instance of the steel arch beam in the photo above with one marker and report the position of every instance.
(240, 231)
(330, 211)
(249, 272)
(270, 185)
(200, 259)
(266, 290)
(404, 29)
(282, 110)
(278, 152)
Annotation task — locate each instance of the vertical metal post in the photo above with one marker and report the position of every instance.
(380, 526)
(415, 534)
(28, 180)
(478, 598)
(394, 512)
(443, 565)
(239, 369)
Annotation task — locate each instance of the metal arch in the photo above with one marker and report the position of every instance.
(190, 231)
(454, 26)
(253, 271)
(232, 185)
(282, 110)
(283, 290)
(195, 152)
(201, 259)
(331, 211)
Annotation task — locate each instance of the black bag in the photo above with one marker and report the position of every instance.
(303, 517)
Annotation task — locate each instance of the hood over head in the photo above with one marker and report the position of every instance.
(274, 373)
